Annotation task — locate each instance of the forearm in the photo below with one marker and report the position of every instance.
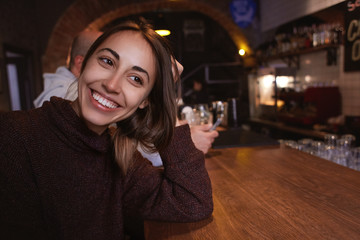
(182, 192)
(184, 166)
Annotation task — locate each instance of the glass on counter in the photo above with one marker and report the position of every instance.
(198, 115)
(305, 144)
(340, 150)
(354, 162)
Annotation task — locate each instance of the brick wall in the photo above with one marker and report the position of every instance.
(94, 14)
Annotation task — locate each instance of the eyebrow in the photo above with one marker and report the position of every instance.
(116, 55)
(137, 68)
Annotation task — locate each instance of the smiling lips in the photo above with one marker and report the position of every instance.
(103, 101)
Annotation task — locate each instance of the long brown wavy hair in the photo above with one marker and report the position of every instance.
(154, 125)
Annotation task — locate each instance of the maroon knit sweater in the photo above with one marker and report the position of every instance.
(58, 179)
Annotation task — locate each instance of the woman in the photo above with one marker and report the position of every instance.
(58, 177)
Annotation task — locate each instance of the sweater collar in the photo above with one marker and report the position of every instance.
(73, 128)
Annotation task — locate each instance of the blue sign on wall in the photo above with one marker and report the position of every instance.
(243, 12)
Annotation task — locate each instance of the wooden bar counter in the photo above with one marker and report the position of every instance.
(270, 192)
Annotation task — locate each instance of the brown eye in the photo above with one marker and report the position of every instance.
(106, 61)
(137, 80)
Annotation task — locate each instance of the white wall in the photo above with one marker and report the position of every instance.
(277, 12)
(313, 71)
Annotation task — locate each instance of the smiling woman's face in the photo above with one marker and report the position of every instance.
(116, 81)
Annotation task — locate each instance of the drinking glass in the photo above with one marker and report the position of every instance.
(350, 138)
(342, 152)
(291, 144)
(330, 140)
(202, 114)
(305, 144)
(188, 115)
(318, 149)
(330, 145)
(354, 161)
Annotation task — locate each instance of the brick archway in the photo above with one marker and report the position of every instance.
(94, 14)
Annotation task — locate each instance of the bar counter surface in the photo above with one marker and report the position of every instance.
(269, 192)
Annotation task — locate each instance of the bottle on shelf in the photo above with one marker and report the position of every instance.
(304, 37)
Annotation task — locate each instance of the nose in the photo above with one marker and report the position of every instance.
(113, 84)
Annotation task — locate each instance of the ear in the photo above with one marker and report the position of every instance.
(76, 66)
(78, 61)
(144, 104)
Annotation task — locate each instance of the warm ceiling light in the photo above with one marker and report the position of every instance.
(242, 52)
(163, 32)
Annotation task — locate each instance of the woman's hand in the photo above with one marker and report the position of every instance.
(202, 137)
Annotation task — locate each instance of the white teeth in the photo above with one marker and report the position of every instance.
(103, 101)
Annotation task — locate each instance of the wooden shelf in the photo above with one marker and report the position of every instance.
(293, 57)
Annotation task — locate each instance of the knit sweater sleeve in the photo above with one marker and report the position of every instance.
(20, 207)
(180, 192)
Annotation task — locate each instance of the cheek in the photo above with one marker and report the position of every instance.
(80, 86)
(89, 76)
(135, 97)
(91, 72)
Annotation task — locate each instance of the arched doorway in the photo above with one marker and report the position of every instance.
(85, 15)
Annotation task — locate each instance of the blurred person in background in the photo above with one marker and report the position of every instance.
(197, 94)
(57, 84)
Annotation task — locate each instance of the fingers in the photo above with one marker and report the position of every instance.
(214, 133)
(204, 127)
(205, 130)
(178, 66)
(202, 137)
